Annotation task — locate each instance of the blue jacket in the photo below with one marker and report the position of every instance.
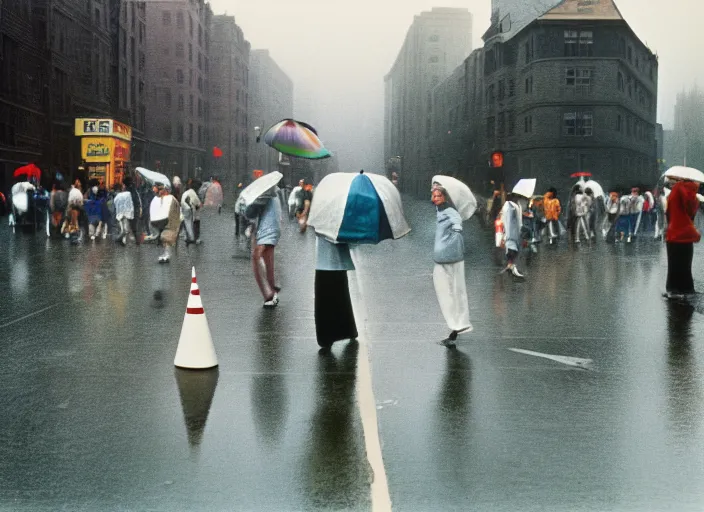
(449, 244)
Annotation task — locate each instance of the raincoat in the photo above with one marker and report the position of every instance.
(448, 274)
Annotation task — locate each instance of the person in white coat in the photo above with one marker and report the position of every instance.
(582, 206)
(512, 218)
(448, 274)
(190, 207)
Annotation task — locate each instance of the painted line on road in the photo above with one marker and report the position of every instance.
(30, 315)
(381, 499)
(577, 362)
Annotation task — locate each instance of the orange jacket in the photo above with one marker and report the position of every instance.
(552, 207)
(682, 206)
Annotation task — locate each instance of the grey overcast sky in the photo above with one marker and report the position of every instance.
(338, 51)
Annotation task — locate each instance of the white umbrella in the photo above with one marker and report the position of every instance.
(355, 208)
(460, 194)
(685, 173)
(154, 177)
(525, 187)
(257, 188)
(596, 188)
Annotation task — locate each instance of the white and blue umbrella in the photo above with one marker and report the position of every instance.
(154, 178)
(357, 209)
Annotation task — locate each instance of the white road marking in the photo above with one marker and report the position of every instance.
(30, 315)
(568, 360)
(381, 499)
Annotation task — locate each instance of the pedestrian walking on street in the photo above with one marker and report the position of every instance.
(682, 207)
(512, 218)
(165, 217)
(448, 274)
(190, 206)
(124, 214)
(265, 212)
(334, 317)
(552, 209)
(582, 208)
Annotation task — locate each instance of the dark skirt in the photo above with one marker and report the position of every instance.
(679, 268)
(334, 317)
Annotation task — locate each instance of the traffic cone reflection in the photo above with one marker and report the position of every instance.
(195, 346)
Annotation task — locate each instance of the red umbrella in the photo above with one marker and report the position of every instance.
(217, 152)
(31, 170)
(581, 175)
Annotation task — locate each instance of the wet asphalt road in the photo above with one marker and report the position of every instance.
(95, 416)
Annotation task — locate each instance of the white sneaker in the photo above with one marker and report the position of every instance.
(273, 302)
(515, 272)
(577, 241)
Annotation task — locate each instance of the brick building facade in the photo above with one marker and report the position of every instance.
(177, 66)
(229, 98)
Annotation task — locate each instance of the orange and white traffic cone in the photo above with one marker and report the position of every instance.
(195, 346)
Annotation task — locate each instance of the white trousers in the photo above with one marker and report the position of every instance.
(451, 289)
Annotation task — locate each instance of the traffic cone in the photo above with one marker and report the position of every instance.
(195, 346)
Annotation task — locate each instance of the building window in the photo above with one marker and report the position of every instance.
(434, 59)
(166, 18)
(502, 90)
(502, 124)
(511, 88)
(490, 98)
(529, 85)
(166, 97)
(628, 126)
(190, 78)
(578, 78)
(181, 103)
(578, 124)
(630, 86)
(190, 104)
(179, 20)
(490, 127)
(179, 76)
(621, 82)
(200, 108)
(179, 49)
(511, 124)
(570, 43)
(179, 132)
(586, 43)
(630, 54)
(528, 124)
(190, 133)
(167, 131)
(190, 52)
(529, 50)
(619, 123)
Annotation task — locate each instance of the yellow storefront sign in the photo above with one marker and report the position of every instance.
(102, 128)
(97, 149)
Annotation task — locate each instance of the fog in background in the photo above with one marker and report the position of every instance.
(337, 53)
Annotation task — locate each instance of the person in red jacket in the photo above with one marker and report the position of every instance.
(682, 206)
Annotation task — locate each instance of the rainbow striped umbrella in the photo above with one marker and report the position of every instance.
(295, 138)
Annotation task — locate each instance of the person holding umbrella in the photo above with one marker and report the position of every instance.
(682, 207)
(259, 202)
(448, 255)
(348, 209)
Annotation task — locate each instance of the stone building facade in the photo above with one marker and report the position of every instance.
(270, 101)
(573, 90)
(23, 88)
(177, 67)
(229, 100)
(435, 45)
(57, 62)
(131, 74)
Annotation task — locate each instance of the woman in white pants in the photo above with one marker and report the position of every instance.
(448, 274)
